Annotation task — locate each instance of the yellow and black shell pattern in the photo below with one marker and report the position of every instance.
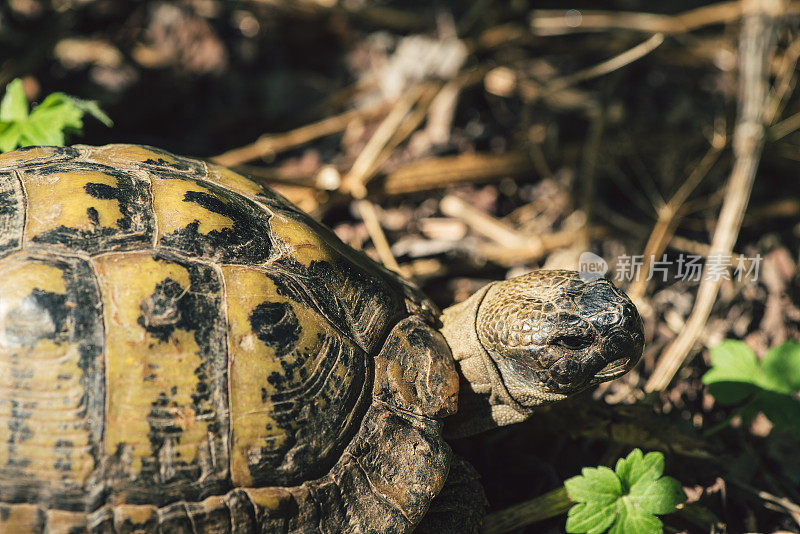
(182, 350)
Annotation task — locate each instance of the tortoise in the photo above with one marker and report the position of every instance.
(183, 350)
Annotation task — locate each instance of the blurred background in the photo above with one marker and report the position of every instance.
(463, 142)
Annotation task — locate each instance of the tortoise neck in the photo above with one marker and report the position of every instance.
(458, 328)
(483, 401)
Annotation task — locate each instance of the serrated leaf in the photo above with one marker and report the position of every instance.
(596, 484)
(781, 366)
(632, 520)
(625, 499)
(58, 111)
(736, 376)
(14, 106)
(656, 496)
(590, 518)
(636, 468)
(625, 467)
(652, 467)
(52, 100)
(48, 123)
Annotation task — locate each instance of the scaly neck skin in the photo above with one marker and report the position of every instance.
(483, 401)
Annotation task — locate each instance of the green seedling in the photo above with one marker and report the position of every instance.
(48, 123)
(623, 501)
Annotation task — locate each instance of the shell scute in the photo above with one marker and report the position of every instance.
(204, 220)
(166, 424)
(51, 378)
(12, 213)
(91, 208)
(296, 383)
(36, 155)
(348, 289)
(142, 156)
(234, 181)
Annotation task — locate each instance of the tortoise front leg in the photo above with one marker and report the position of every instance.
(461, 505)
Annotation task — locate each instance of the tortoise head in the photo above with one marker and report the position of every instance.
(538, 338)
(551, 334)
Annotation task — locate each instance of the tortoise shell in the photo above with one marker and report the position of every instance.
(182, 349)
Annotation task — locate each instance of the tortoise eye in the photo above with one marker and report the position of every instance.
(573, 342)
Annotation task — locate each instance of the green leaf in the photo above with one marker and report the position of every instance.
(14, 106)
(632, 520)
(781, 367)
(656, 496)
(637, 467)
(735, 373)
(48, 123)
(10, 135)
(597, 484)
(57, 114)
(37, 133)
(590, 517)
(626, 466)
(732, 361)
(626, 500)
(769, 388)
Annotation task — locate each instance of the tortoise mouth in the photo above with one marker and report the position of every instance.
(573, 372)
(613, 370)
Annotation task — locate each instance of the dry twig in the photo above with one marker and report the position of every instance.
(669, 214)
(558, 90)
(271, 144)
(370, 216)
(410, 122)
(785, 81)
(354, 182)
(441, 172)
(481, 222)
(398, 124)
(557, 22)
(509, 246)
(755, 48)
(610, 65)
